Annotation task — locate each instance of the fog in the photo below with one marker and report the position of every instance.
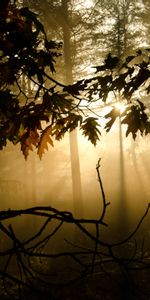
(124, 170)
(83, 240)
(60, 179)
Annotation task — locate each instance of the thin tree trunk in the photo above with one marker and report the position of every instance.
(122, 170)
(123, 210)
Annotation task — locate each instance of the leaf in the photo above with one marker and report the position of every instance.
(136, 119)
(136, 82)
(3, 141)
(45, 59)
(66, 124)
(59, 129)
(71, 122)
(120, 82)
(31, 16)
(22, 130)
(45, 139)
(52, 44)
(61, 102)
(33, 70)
(75, 88)
(112, 115)
(110, 63)
(5, 98)
(29, 139)
(47, 100)
(90, 129)
(147, 129)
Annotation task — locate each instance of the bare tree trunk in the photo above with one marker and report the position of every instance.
(122, 169)
(123, 209)
(74, 153)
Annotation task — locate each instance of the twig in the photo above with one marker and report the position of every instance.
(105, 204)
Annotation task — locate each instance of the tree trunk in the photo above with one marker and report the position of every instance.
(123, 209)
(74, 153)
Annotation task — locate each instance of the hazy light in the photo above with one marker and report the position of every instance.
(88, 3)
(84, 4)
(120, 106)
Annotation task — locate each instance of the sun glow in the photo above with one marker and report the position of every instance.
(120, 106)
(88, 3)
(84, 4)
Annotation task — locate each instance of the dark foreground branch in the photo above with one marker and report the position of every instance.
(38, 257)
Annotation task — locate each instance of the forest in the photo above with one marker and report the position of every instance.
(74, 141)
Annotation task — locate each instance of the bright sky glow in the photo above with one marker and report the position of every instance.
(120, 106)
(88, 3)
(84, 4)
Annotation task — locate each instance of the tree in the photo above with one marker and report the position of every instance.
(119, 26)
(74, 153)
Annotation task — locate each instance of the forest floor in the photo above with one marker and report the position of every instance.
(106, 281)
(93, 288)
(107, 287)
(109, 284)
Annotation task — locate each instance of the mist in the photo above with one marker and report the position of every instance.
(63, 216)
(48, 181)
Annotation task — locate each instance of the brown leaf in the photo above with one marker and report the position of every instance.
(29, 139)
(45, 139)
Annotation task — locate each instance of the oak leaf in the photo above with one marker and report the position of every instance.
(45, 139)
(29, 140)
(90, 129)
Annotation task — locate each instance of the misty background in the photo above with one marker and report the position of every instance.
(66, 176)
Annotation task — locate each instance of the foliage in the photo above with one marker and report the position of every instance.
(124, 82)
(36, 109)
(30, 99)
(90, 129)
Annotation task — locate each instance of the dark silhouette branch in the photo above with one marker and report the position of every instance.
(33, 252)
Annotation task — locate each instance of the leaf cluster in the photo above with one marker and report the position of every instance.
(36, 109)
(124, 82)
